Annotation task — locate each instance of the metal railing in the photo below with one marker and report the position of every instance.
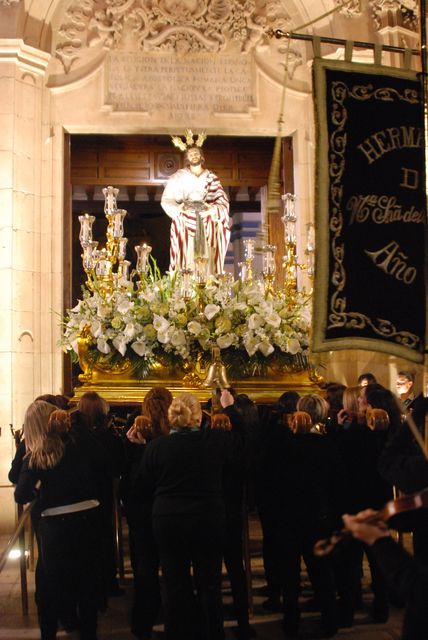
(19, 534)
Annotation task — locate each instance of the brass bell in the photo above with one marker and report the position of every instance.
(216, 376)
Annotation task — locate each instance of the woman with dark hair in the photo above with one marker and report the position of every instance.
(59, 471)
(90, 425)
(152, 424)
(185, 468)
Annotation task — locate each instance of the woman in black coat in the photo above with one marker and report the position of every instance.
(152, 424)
(303, 479)
(58, 471)
(185, 469)
(90, 424)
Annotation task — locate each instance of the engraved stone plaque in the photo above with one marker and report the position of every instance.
(180, 87)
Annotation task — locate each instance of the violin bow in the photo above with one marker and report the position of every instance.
(415, 432)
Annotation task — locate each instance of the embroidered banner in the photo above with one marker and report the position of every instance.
(369, 289)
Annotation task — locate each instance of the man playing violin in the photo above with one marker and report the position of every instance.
(406, 575)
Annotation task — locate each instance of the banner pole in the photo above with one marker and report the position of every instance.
(423, 35)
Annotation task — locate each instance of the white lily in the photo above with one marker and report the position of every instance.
(225, 341)
(103, 346)
(211, 310)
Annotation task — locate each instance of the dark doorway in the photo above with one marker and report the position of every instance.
(139, 166)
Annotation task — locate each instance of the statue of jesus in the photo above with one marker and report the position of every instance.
(198, 205)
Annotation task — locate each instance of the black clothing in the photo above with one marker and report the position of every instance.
(185, 469)
(143, 550)
(108, 463)
(69, 562)
(418, 407)
(405, 466)
(235, 477)
(408, 577)
(303, 481)
(360, 449)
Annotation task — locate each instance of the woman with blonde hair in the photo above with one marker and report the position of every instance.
(351, 412)
(317, 407)
(58, 470)
(185, 469)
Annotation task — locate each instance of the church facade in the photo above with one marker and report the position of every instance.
(153, 68)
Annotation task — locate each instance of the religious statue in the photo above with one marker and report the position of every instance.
(198, 205)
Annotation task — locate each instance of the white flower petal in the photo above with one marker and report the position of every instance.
(211, 310)
(103, 346)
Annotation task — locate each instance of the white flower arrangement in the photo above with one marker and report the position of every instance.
(250, 329)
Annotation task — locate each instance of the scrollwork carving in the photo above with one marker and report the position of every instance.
(408, 10)
(177, 26)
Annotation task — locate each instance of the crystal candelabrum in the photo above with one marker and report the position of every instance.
(290, 264)
(107, 269)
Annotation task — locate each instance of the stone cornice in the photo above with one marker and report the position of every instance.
(30, 57)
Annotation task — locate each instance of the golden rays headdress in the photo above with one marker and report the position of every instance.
(189, 140)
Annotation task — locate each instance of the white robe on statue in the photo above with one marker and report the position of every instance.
(182, 188)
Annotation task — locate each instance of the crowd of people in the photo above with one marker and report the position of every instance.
(186, 474)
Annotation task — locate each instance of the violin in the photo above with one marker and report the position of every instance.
(401, 514)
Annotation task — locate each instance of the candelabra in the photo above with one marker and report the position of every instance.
(99, 264)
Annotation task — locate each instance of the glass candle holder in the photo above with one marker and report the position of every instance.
(89, 255)
(103, 268)
(123, 269)
(143, 251)
(85, 235)
(289, 218)
(243, 271)
(185, 285)
(121, 250)
(310, 249)
(117, 218)
(269, 266)
(201, 264)
(110, 196)
(248, 248)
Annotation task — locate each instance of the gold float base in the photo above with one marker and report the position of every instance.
(262, 390)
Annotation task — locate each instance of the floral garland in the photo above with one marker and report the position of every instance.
(251, 329)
